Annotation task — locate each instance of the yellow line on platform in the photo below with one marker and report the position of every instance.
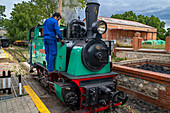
(5, 53)
(37, 101)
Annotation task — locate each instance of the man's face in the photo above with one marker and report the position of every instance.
(57, 18)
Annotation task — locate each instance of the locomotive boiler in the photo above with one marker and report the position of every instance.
(82, 79)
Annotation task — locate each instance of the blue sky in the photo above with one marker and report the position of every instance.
(158, 8)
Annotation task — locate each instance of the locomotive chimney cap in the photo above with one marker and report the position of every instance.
(92, 1)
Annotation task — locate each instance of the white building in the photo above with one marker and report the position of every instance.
(2, 32)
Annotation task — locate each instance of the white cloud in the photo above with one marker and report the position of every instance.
(9, 4)
(147, 6)
(159, 8)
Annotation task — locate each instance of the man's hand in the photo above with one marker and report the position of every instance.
(62, 42)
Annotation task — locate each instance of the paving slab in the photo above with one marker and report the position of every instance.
(2, 54)
(22, 104)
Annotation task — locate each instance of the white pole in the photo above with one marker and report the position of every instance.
(9, 82)
(20, 86)
(110, 58)
(4, 83)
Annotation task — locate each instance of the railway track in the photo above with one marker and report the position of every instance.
(23, 55)
(48, 98)
(19, 56)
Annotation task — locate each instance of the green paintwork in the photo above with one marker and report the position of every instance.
(58, 92)
(76, 67)
(60, 61)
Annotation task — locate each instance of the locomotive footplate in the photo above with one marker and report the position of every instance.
(87, 76)
(36, 64)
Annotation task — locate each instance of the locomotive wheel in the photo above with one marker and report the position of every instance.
(43, 77)
(71, 99)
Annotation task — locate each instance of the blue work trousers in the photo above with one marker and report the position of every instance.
(51, 52)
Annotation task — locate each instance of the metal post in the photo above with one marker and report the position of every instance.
(20, 86)
(4, 83)
(110, 54)
(31, 66)
(44, 63)
(30, 62)
(9, 82)
(110, 51)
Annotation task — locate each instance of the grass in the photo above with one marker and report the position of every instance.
(146, 46)
(18, 49)
(25, 95)
(123, 44)
(117, 59)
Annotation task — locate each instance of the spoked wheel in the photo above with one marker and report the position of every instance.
(120, 97)
(43, 77)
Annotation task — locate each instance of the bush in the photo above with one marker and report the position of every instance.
(122, 44)
(146, 46)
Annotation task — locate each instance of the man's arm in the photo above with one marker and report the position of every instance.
(57, 30)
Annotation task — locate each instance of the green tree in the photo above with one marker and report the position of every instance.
(21, 20)
(45, 8)
(25, 15)
(167, 32)
(127, 16)
(151, 21)
(2, 15)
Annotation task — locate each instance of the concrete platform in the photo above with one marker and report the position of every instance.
(22, 104)
(2, 68)
(26, 104)
(2, 54)
(27, 66)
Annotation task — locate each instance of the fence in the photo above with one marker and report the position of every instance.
(137, 44)
(5, 82)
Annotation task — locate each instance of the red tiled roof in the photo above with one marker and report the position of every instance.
(124, 22)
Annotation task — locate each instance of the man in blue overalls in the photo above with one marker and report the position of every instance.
(51, 29)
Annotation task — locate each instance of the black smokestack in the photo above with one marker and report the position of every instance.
(92, 10)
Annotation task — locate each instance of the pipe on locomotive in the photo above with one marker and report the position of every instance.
(92, 9)
(94, 28)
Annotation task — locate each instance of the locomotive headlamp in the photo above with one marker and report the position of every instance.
(99, 27)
